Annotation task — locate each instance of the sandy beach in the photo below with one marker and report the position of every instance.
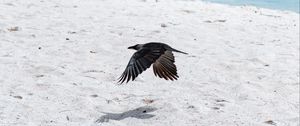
(60, 61)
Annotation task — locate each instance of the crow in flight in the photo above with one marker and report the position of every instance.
(158, 54)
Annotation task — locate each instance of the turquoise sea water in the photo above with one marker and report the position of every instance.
(292, 5)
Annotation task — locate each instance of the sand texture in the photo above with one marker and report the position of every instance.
(60, 61)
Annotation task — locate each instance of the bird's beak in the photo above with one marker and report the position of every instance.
(131, 47)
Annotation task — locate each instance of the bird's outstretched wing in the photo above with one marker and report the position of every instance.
(139, 62)
(164, 66)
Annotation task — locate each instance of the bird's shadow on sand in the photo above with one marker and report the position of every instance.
(139, 113)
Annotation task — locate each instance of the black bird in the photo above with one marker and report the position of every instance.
(158, 54)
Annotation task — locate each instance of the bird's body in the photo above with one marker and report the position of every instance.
(158, 54)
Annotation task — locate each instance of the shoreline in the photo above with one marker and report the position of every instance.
(252, 6)
(257, 6)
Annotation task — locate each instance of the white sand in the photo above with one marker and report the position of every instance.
(242, 68)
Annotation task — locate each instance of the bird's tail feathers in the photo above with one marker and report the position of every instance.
(175, 50)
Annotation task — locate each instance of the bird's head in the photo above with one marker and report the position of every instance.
(135, 47)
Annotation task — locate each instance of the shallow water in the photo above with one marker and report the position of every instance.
(292, 5)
